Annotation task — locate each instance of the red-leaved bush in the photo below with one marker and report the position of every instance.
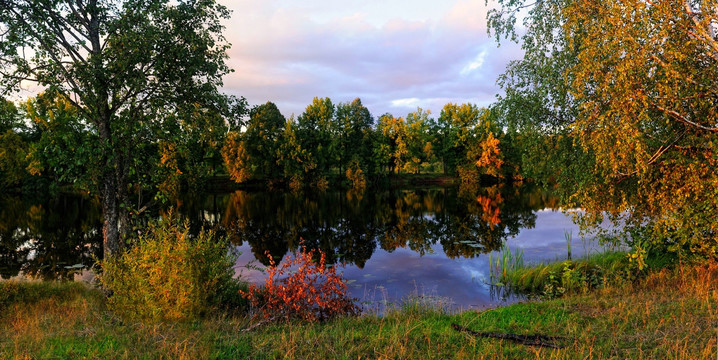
(301, 288)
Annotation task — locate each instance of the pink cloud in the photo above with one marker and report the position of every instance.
(285, 55)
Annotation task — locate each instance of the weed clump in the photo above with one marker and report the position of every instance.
(171, 275)
(303, 289)
(566, 277)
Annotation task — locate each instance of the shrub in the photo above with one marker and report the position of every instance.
(170, 275)
(355, 175)
(311, 292)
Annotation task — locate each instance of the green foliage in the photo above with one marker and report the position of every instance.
(615, 104)
(262, 139)
(14, 146)
(394, 132)
(455, 134)
(317, 130)
(258, 152)
(566, 277)
(327, 140)
(66, 151)
(295, 161)
(10, 117)
(170, 274)
(354, 134)
(134, 73)
(419, 141)
(13, 160)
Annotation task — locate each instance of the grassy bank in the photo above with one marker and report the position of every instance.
(670, 314)
(554, 279)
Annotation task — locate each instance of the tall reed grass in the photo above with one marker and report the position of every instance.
(505, 263)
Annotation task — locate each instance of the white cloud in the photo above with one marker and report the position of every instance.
(475, 64)
(410, 102)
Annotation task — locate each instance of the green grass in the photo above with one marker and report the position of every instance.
(562, 277)
(668, 314)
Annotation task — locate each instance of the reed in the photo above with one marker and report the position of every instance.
(505, 263)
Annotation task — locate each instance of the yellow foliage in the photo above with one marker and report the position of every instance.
(356, 177)
(169, 160)
(236, 158)
(645, 79)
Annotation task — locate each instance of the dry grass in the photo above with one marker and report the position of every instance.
(671, 314)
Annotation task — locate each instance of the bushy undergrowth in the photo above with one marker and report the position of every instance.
(169, 274)
(303, 289)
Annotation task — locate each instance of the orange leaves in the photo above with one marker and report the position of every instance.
(170, 164)
(490, 207)
(301, 289)
(490, 159)
(236, 158)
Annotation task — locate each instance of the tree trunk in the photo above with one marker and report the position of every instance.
(101, 108)
(110, 187)
(110, 215)
(121, 170)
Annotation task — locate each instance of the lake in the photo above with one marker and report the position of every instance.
(394, 243)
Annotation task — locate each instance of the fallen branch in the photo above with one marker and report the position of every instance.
(534, 340)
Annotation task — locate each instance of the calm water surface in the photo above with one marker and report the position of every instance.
(395, 243)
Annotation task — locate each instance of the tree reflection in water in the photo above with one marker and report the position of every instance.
(349, 226)
(45, 239)
(49, 239)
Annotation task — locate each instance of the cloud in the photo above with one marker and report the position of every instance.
(411, 102)
(475, 64)
(385, 52)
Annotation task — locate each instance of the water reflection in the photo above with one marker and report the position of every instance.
(43, 239)
(48, 239)
(349, 227)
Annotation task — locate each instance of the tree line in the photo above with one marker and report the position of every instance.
(47, 136)
(345, 141)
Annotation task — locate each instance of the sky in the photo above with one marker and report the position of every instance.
(395, 55)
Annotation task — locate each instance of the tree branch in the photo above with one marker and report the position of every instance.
(51, 53)
(674, 114)
(533, 340)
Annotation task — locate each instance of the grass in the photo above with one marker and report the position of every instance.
(569, 276)
(669, 314)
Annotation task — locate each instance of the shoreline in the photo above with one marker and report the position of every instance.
(667, 314)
